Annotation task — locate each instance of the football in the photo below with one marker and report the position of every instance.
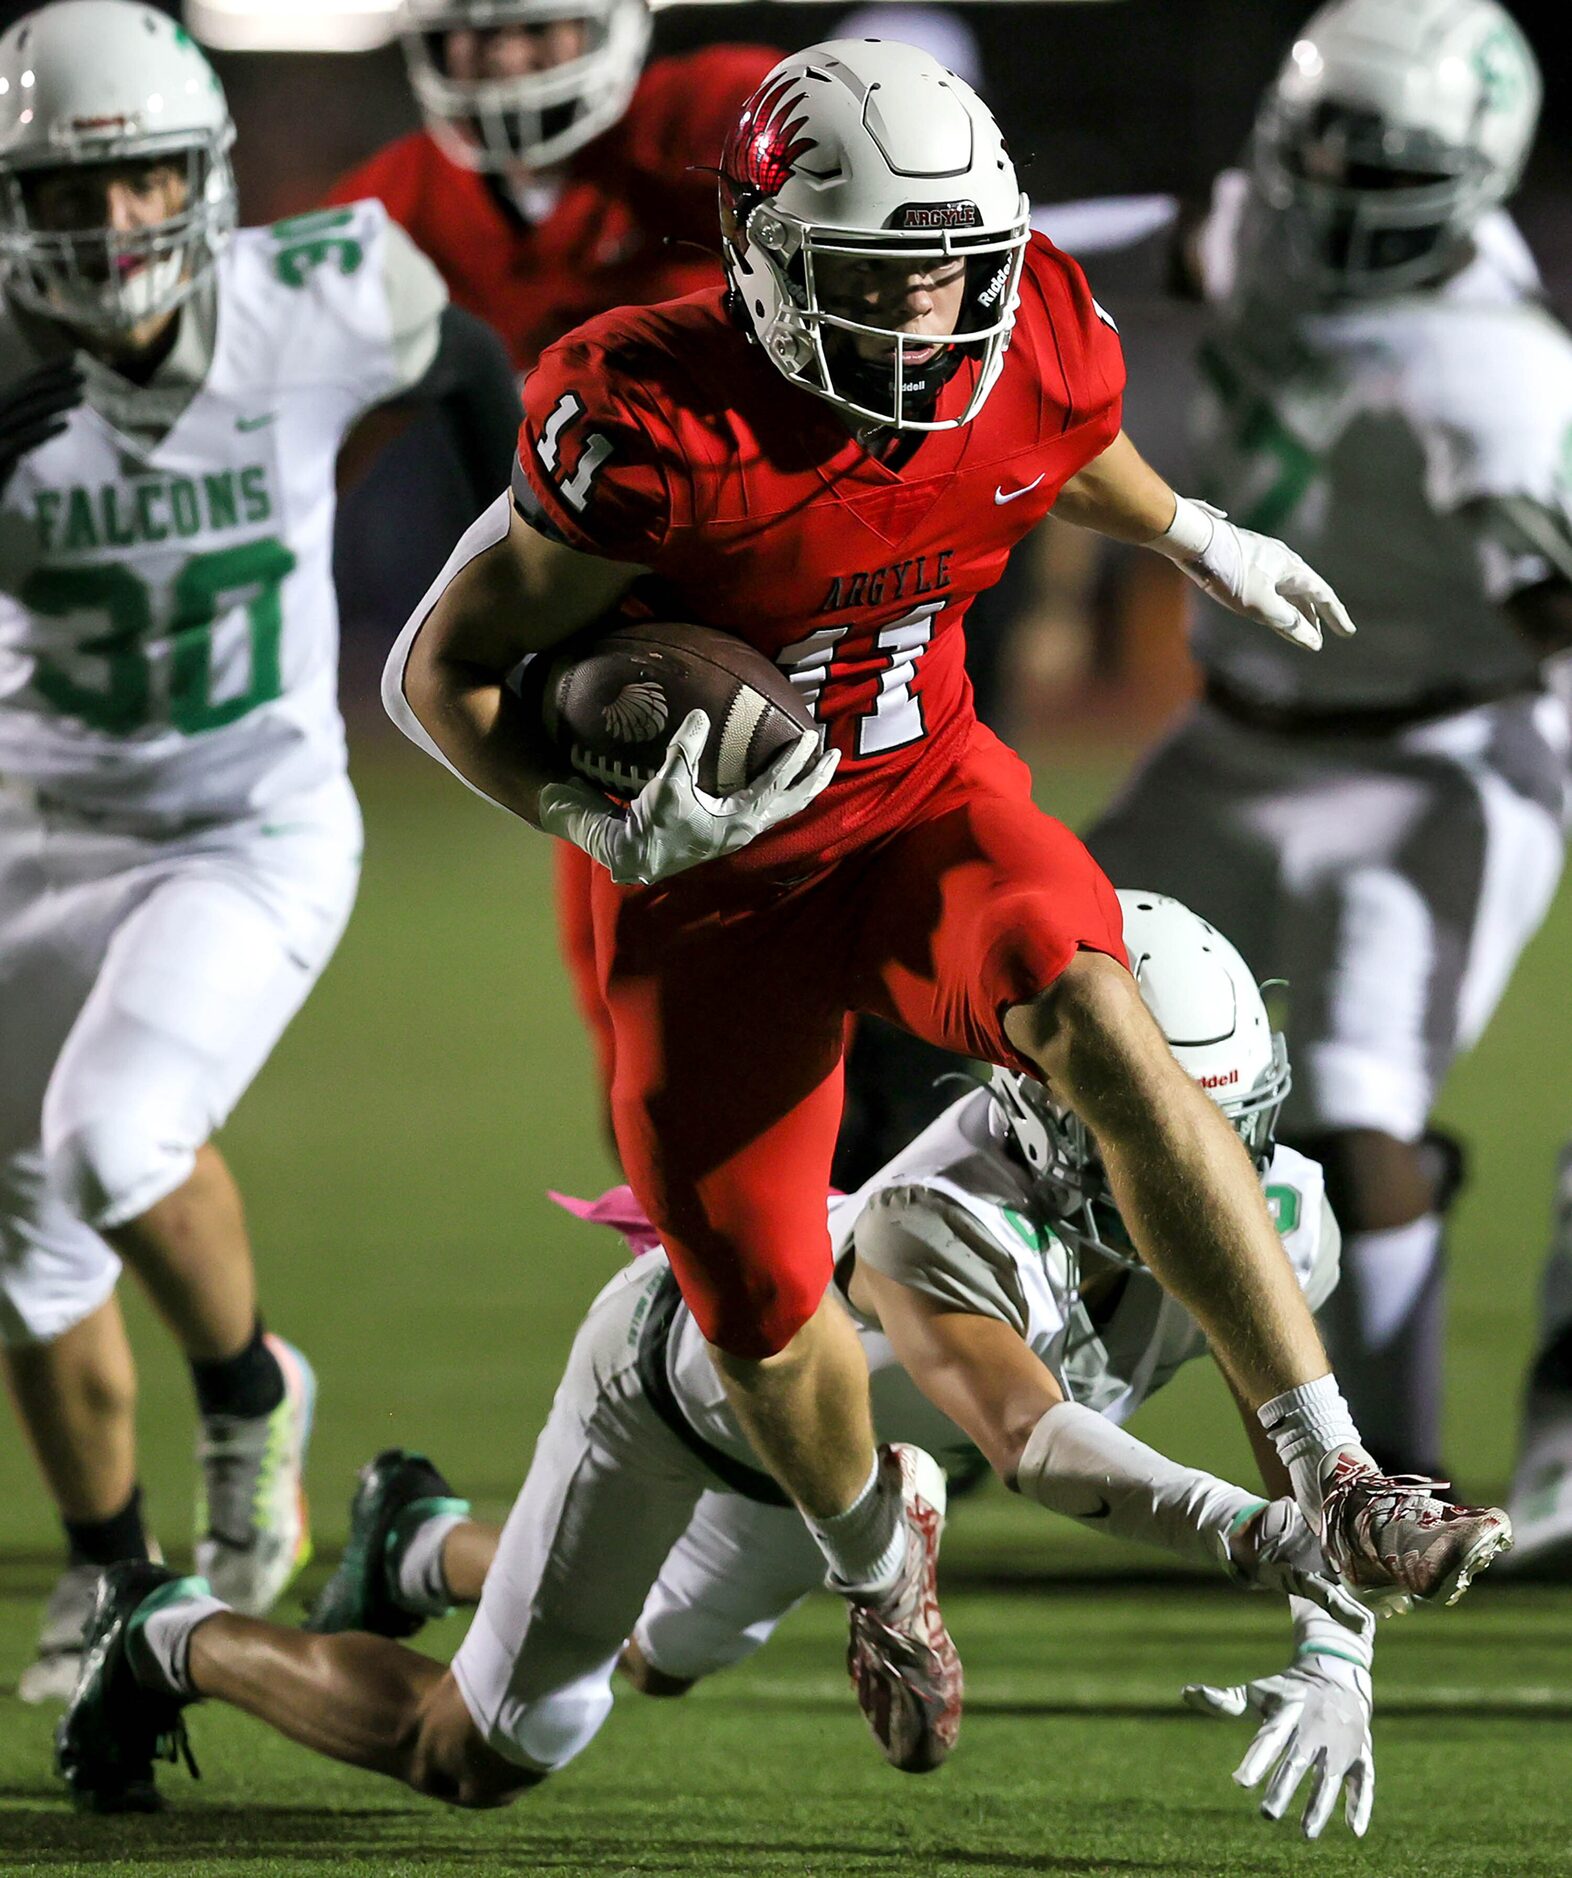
(610, 707)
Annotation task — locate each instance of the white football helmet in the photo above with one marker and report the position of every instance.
(101, 81)
(871, 150)
(1392, 127)
(539, 118)
(1210, 1009)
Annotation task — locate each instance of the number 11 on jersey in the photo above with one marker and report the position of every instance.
(844, 655)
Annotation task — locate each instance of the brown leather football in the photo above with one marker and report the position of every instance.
(610, 707)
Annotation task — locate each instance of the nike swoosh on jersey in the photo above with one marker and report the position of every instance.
(258, 423)
(1001, 497)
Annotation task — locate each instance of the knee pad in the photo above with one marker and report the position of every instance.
(112, 1168)
(1446, 1160)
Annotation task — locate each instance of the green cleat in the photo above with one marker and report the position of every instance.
(398, 1492)
(114, 1728)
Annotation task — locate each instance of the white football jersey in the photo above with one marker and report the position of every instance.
(956, 1215)
(1357, 434)
(168, 625)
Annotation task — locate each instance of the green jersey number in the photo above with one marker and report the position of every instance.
(207, 583)
(1283, 1204)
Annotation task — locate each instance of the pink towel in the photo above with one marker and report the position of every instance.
(618, 1209)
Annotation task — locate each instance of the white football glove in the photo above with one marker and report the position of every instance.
(1256, 576)
(1276, 1549)
(1314, 1719)
(672, 824)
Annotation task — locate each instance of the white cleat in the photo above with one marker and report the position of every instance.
(902, 1663)
(253, 1530)
(52, 1676)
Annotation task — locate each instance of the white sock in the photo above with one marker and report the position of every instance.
(1384, 1329)
(421, 1587)
(1310, 1427)
(1082, 1466)
(165, 1637)
(864, 1545)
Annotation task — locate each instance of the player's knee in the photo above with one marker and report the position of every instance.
(112, 1168)
(450, 1761)
(1090, 1034)
(754, 1321)
(1376, 1182)
(645, 1677)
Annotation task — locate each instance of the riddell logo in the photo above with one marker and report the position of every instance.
(940, 215)
(1219, 1081)
(995, 287)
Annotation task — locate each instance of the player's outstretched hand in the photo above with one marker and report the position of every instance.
(35, 409)
(1314, 1719)
(1255, 576)
(673, 824)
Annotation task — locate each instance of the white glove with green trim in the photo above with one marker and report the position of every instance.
(1314, 1719)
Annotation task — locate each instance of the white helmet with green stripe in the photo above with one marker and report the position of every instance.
(1391, 128)
(1209, 1007)
(96, 82)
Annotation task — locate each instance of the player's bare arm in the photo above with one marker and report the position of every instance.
(509, 591)
(1119, 494)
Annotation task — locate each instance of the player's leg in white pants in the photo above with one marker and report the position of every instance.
(1392, 882)
(610, 1490)
(736, 1572)
(1541, 1501)
(147, 980)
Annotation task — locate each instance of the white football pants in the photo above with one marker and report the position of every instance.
(1391, 881)
(143, 983)
(618, 1530)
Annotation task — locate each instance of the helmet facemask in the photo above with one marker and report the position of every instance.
(106, 281)
(1068, 1168)
(813, 339)
(535, 119)
(1365, 207)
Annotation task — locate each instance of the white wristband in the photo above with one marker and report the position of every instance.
(1318, 1635)
(1188, 536)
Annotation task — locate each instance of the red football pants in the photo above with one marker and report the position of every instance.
(574, 874)
(728, 995)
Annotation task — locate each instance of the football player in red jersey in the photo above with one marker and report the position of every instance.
(831, 460)
(557, 176)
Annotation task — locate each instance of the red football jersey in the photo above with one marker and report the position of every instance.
(665, 437)
(635, 222)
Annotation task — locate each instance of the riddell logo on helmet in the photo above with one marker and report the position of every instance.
(1219, 1081)
(938, 215)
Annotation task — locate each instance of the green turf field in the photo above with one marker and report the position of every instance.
(395, 1156)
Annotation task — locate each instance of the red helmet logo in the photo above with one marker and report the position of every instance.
(767, 142)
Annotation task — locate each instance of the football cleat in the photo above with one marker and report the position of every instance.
(114, 1728)
(1394, 1544)
(52, 1675)
(252, 1527)
(398, 1492)
(903, 1665)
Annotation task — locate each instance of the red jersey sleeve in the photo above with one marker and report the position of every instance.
(1080, 338)
(592, 468)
